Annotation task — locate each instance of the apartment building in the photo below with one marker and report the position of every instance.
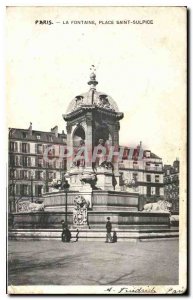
(29, 170)
(171, 184)
(147, 172)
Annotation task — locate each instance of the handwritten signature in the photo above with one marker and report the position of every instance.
(144, 290)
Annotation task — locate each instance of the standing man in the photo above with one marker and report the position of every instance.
(109, 228)
(66, 234)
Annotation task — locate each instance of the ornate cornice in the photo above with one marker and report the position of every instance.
(88, 108)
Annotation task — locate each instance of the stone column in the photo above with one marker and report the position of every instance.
(116, 162)
(69, 145)
(88, 142)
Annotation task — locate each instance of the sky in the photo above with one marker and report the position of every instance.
(141, 66)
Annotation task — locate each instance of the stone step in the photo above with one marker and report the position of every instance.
(90, 235)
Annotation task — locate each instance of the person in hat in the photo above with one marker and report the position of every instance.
(66, 234)
(108, 228)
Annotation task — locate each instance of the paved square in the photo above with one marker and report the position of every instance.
(93, 263)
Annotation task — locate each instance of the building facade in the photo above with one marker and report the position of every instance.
(146, 173)
(29, 171)
(171, 184)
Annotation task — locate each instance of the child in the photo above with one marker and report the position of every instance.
(114, 237)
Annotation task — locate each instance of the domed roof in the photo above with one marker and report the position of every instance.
(92, 98)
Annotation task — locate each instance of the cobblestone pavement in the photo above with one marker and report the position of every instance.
(92, 263)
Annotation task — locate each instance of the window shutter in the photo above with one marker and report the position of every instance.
(16, 160)
(21, 174)
(21, 189)
(17, 189)
(36, 190)
(44, 163)
(20, 147)
(29, 190)
(21, 160)
(17, 174)
(54, 164)
(36, 175)
(16, 148)
(28, 148)
(29, 161)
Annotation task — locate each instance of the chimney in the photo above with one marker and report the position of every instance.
(55, 130)
(30, 128)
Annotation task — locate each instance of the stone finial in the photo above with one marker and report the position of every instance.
(92, 80)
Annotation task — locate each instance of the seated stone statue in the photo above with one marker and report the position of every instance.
(79, 159)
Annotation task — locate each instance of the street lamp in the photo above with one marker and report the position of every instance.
(32, 174)
(66, 187)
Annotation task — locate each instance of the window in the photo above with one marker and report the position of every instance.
(51, 151)
(135, 165)
(147, 167)
(38, 137)
(17, 161)
(12, 189)
(12, 160)
(25, 161)
(18, 189)
(63, 164)
(50, 138)
(156, 178)
(21, 174)
(40, 162)
(25, 174)
(39, 149)
(24, 147)
(157, 191)
(24, 135)
(135, 176)
(148, 191)
(50, 175)
(168, 172)
(148, 178)
(39, 175)
(24, 189)
(39, 190)
(147, 153)
(13, 146)
(158, 167)
(12, 174)
(49, 164)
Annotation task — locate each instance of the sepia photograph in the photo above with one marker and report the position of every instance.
(96, 101)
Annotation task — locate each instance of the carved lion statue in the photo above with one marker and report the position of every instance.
(36, 206)
(160, 206)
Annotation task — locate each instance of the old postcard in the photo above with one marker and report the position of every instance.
(96, 126)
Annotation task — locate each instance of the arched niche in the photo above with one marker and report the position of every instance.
(102, 132)
(78, 135)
